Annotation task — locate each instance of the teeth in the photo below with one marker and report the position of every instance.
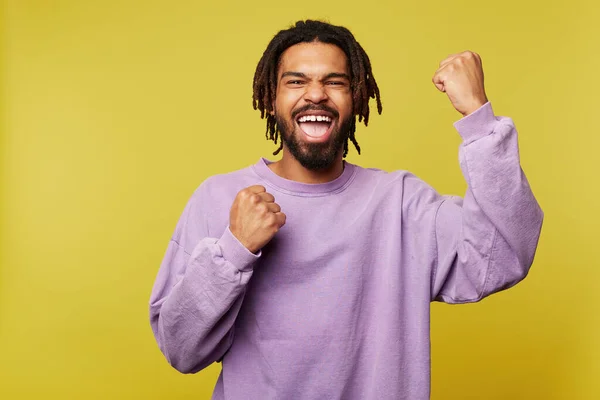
(314, 118)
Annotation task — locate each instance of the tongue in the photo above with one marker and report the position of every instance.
(314, 129)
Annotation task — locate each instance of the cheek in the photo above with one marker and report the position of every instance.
(343, 102)
(285, 101)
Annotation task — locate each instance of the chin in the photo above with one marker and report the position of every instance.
(314, 152)
(314, 156)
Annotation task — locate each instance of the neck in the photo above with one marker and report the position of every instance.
(289, 168)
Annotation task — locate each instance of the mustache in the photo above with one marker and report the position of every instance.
(313, 107)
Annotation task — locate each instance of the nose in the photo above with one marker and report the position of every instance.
(315, 93)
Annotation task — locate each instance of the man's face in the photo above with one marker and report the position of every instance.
(313, 104)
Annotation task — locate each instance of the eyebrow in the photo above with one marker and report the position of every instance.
(328, 76)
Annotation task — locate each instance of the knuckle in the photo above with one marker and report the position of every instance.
(254, 198)
(271, 219)
(244, 194)
(262, 208)
(468, 56)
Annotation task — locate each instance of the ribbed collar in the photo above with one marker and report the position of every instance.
(261, 168)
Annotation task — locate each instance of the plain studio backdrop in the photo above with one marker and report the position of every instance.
(113, 112)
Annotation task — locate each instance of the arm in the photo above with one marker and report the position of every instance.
(486, 242)
(198, 292)
(200, 286)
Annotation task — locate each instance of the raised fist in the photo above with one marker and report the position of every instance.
(460, 76)
(255, 217)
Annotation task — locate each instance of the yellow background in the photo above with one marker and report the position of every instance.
(113, 112)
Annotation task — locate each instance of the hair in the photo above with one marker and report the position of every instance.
(362, 81)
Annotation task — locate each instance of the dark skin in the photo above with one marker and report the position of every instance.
(311, 74)
(316, 73)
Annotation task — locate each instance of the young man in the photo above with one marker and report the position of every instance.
(310, 277)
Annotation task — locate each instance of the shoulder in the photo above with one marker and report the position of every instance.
(218, 191)
(226, 185)
(210, 202)
(404, 192)
(397, 186)
(390, 179)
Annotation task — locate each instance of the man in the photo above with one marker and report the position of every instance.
(310, 277)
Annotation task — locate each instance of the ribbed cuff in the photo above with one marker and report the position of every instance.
(235, 252)
(478, 124)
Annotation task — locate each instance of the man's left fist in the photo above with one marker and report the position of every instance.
(460, 76)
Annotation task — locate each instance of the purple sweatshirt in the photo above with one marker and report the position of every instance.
(337, 305)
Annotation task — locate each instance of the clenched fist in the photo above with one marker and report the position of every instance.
(255, 217)
(460, 76)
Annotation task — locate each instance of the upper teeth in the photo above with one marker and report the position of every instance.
(313, 118)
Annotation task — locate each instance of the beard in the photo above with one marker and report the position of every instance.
(315, 156)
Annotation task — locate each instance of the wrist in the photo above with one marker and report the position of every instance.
(236, 252)
(474, 106)
(251, 247)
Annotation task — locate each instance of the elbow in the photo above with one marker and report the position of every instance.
(186, 357)
(506, 270)
(521, 252)
(190, 349)
(520, 275)
(185, 366)
(503, 279)
(184, 361)
(517, 273)
(196, 357)
(181, 357)
(533, 242)
(190, 363)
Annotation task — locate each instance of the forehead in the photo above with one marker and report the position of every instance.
(314, 58)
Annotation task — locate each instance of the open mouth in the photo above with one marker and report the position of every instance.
(316, 126)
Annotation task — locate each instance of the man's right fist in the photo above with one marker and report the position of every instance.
(255, 217)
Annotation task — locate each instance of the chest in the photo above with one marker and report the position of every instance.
(320, 270)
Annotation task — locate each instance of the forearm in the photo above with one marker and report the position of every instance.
(193, 321)
(498, 223)
(491, 165)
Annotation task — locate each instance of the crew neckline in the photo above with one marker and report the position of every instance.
(261, 168)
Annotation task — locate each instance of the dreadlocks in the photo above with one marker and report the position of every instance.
(362, 82)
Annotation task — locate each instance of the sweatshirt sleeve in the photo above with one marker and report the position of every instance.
(485, 242)
(198, 292)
